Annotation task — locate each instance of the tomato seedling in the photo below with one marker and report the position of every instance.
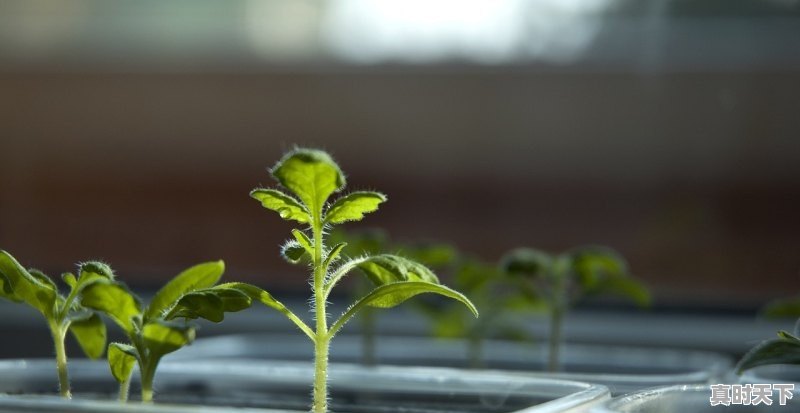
(563, 279)
(63, 313)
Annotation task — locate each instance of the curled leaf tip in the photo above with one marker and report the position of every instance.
(96, 267)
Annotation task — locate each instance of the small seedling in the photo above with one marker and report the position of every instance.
(561, 280)
(312, 177)
(783, 350)
(496, 294)
(150, 329)
(63, 314)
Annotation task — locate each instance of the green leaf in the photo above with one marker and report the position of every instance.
(210, 304)
(194, 278)
(114, 300)
(69, 279)
(333, 254)
(44, 279)
(386, 268)
(90, 334)
(784, 350)
(382, 269)
(310, 174)
(352, 207)
(786, 308)
(162, 338)
(626, 287)
(257, 294)
(95, 269)
(593, 265)
(527, 262)
(293, 252)
(390, 295)
(286, 206)
(6, 291)
(27, 287)
(121, 359)
(304, 241)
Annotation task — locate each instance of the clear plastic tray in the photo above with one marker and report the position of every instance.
(222, 385)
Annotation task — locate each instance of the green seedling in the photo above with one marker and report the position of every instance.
(63, 314)
(152, 330)
(311, 177)
(782, 350)
(562, 280)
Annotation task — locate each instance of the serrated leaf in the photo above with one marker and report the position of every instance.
(779, 351)
(527, 262)
(95, 269)
(44, 279)
(352, 207)
(312, 175)
(114, 300)
(382, 269)
(194, 278)
(162, 338)
(286, 206)
(292, 251)
(390, 295)
(90, 333)
(386, 268)
(786, 308)
(26, 287)
(210, 304)
(121, 360)
(333, 254)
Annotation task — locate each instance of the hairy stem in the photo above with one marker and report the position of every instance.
(124, 389)
(148, 372)
(58, 332)
(322, 342)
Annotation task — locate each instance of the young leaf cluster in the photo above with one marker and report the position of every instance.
(311, 178)
(561, 280)
(152, 330)
(62, 313)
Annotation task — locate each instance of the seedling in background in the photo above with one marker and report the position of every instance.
(150, 329)
(496, 294)
(63, 314)
(312, 177)
(782, 350)
(562, 280)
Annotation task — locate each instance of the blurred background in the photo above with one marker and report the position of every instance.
(132, 132)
